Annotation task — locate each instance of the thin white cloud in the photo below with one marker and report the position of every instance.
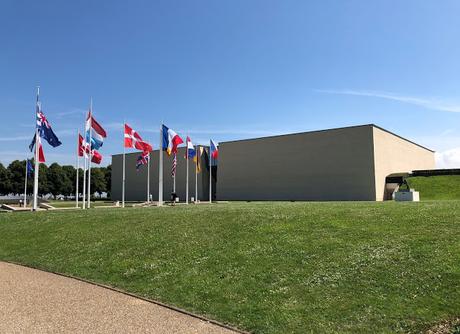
(72, 112)
(15, 138)
(428, 103)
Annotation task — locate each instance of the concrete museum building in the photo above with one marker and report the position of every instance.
(343, 164)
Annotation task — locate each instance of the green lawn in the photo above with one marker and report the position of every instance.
(263, 267)
(437, 187)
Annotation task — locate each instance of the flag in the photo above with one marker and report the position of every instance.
(191, 153)
(32, 143)
(134, 140)
(174, 165)
(143, 159)
(170, 140)
(97, 132)
(44, 128)
(198, 159)
(206, 158)
(96, 157)
(30, 167)
(41, 155)
(83, 148)
(214, 150)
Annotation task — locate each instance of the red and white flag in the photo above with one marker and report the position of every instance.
(41, 155)
(134, 140)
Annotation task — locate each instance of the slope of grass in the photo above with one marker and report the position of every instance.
(264, 267)
(443, 187)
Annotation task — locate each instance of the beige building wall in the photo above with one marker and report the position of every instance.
(136, 181)
(393, 154)
(325, 165)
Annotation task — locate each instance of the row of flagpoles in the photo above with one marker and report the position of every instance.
(88, 146)
(169, 142)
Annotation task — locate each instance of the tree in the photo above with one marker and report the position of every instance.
(43, 181)
(16, 174)
(5, 180)
(58, 181)
(70, 176)
(98, 180)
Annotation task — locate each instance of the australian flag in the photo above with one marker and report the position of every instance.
(44, 128)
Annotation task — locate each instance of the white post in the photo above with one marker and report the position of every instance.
(78, 167)
(124, 172)
(196, 173)
(34, 208)
(25, 185)
(90, 153)
(160, 169)
(186, 185)
(210, 174)
(148, 179)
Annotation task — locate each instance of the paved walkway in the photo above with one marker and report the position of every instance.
(33, 301)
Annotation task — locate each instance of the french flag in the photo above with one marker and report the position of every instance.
(170, 140)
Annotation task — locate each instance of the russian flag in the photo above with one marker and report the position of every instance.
(170, 140)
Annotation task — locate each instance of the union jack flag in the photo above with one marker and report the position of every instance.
(143, 159)
(174, 165)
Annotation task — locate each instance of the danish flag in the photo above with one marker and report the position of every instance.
(134, 140)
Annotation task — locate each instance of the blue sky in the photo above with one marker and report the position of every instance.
(230, 69)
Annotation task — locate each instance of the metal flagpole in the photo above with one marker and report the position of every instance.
(210, 174)
(78, 167)
(124, 173)
(25, 184)
(160, 169)
(186, 185)
(34, 208)
(148, 178)
(196, 174)
(85, 157)
(90, 153)
(174, 177)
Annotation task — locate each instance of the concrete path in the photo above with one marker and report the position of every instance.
(33, 301)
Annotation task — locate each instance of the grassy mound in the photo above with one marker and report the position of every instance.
(264, 267)
(445, 187)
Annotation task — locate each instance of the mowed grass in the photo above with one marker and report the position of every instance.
(442, 187)
(263, 267)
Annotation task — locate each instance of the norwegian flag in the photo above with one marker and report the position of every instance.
(174, 166)
(134, 140)
(143, 159)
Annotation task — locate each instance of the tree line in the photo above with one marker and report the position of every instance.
(55, 179)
